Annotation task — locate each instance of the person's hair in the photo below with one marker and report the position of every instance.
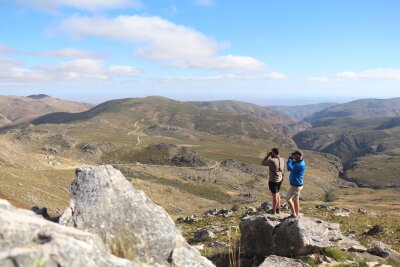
(275, 151)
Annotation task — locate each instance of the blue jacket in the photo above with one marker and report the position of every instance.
(297, 169)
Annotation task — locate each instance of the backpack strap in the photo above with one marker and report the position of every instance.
(279, 167)
(279, 164)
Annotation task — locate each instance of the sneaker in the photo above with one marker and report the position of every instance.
(278, 211)
(271, 212)
(292, 216)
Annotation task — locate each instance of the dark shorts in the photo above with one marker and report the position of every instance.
(274, 187)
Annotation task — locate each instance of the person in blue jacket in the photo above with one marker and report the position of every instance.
(297, 168)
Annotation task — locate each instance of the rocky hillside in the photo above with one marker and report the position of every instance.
(17, 109)
(361, 109)
(157, 154)
(280, 120)
(357, 142)
(300, 112)
(167, 112)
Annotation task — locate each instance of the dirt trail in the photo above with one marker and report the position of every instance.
(137, 128)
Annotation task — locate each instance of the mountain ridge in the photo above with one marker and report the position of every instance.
(19, 109)
(362, 109)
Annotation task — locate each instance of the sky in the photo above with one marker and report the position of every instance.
(265, 52)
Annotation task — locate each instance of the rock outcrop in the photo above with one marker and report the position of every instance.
(27, 239)
(109, 224)
(276, 261)
(265, 235)
(103, 202)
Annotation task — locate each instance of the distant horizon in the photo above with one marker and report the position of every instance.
(261, 102)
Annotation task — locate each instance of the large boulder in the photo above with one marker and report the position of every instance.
(276, 261)
(256, 235)
(265, 235)
(27, 239)
(304, 236)
(103, 202)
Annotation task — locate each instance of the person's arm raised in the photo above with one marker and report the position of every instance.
(293, 166)
(266, 161)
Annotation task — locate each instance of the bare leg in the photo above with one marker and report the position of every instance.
(278, 201)
(274, 201)
(296, 204)
(291, 206)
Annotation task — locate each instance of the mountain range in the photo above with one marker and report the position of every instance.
(300, 112)
(208, 151)
(364, 134)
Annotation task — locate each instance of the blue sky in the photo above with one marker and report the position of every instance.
(268, 52)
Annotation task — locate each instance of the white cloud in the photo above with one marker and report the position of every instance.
(85, 65)
(157, 39)
(7, 63)
(233, 63)
(75, 70)
(207, 3)
(321, 79)
(161, 39)
(67, 53)
(375, 74)
(90, 5)
(124, 71)
(228, 77)
(4, 49)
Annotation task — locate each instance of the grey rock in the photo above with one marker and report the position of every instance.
(103, 202)
(379, 251)
(357, 248)
(91, 149)
(266, 206)
(276, 261)
(328, 259)
(203, 235)
(341, 213)
(362, 210)
(250, 210)
(26, 239)
(43, 212)
(215, 229)
(301, 236)
(224, 212)
(376, 229)
(210, 212)
(191, 219)
(183, 256)
(257, 235)
(285, 206)
(264, 235)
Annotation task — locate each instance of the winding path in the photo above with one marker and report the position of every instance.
(137, 128)
(131, 132)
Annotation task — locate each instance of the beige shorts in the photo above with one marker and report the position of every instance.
(294, 192)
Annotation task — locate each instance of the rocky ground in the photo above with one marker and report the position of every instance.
(109, 223)
(250, 236)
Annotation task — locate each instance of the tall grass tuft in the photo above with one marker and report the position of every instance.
(234, 246)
